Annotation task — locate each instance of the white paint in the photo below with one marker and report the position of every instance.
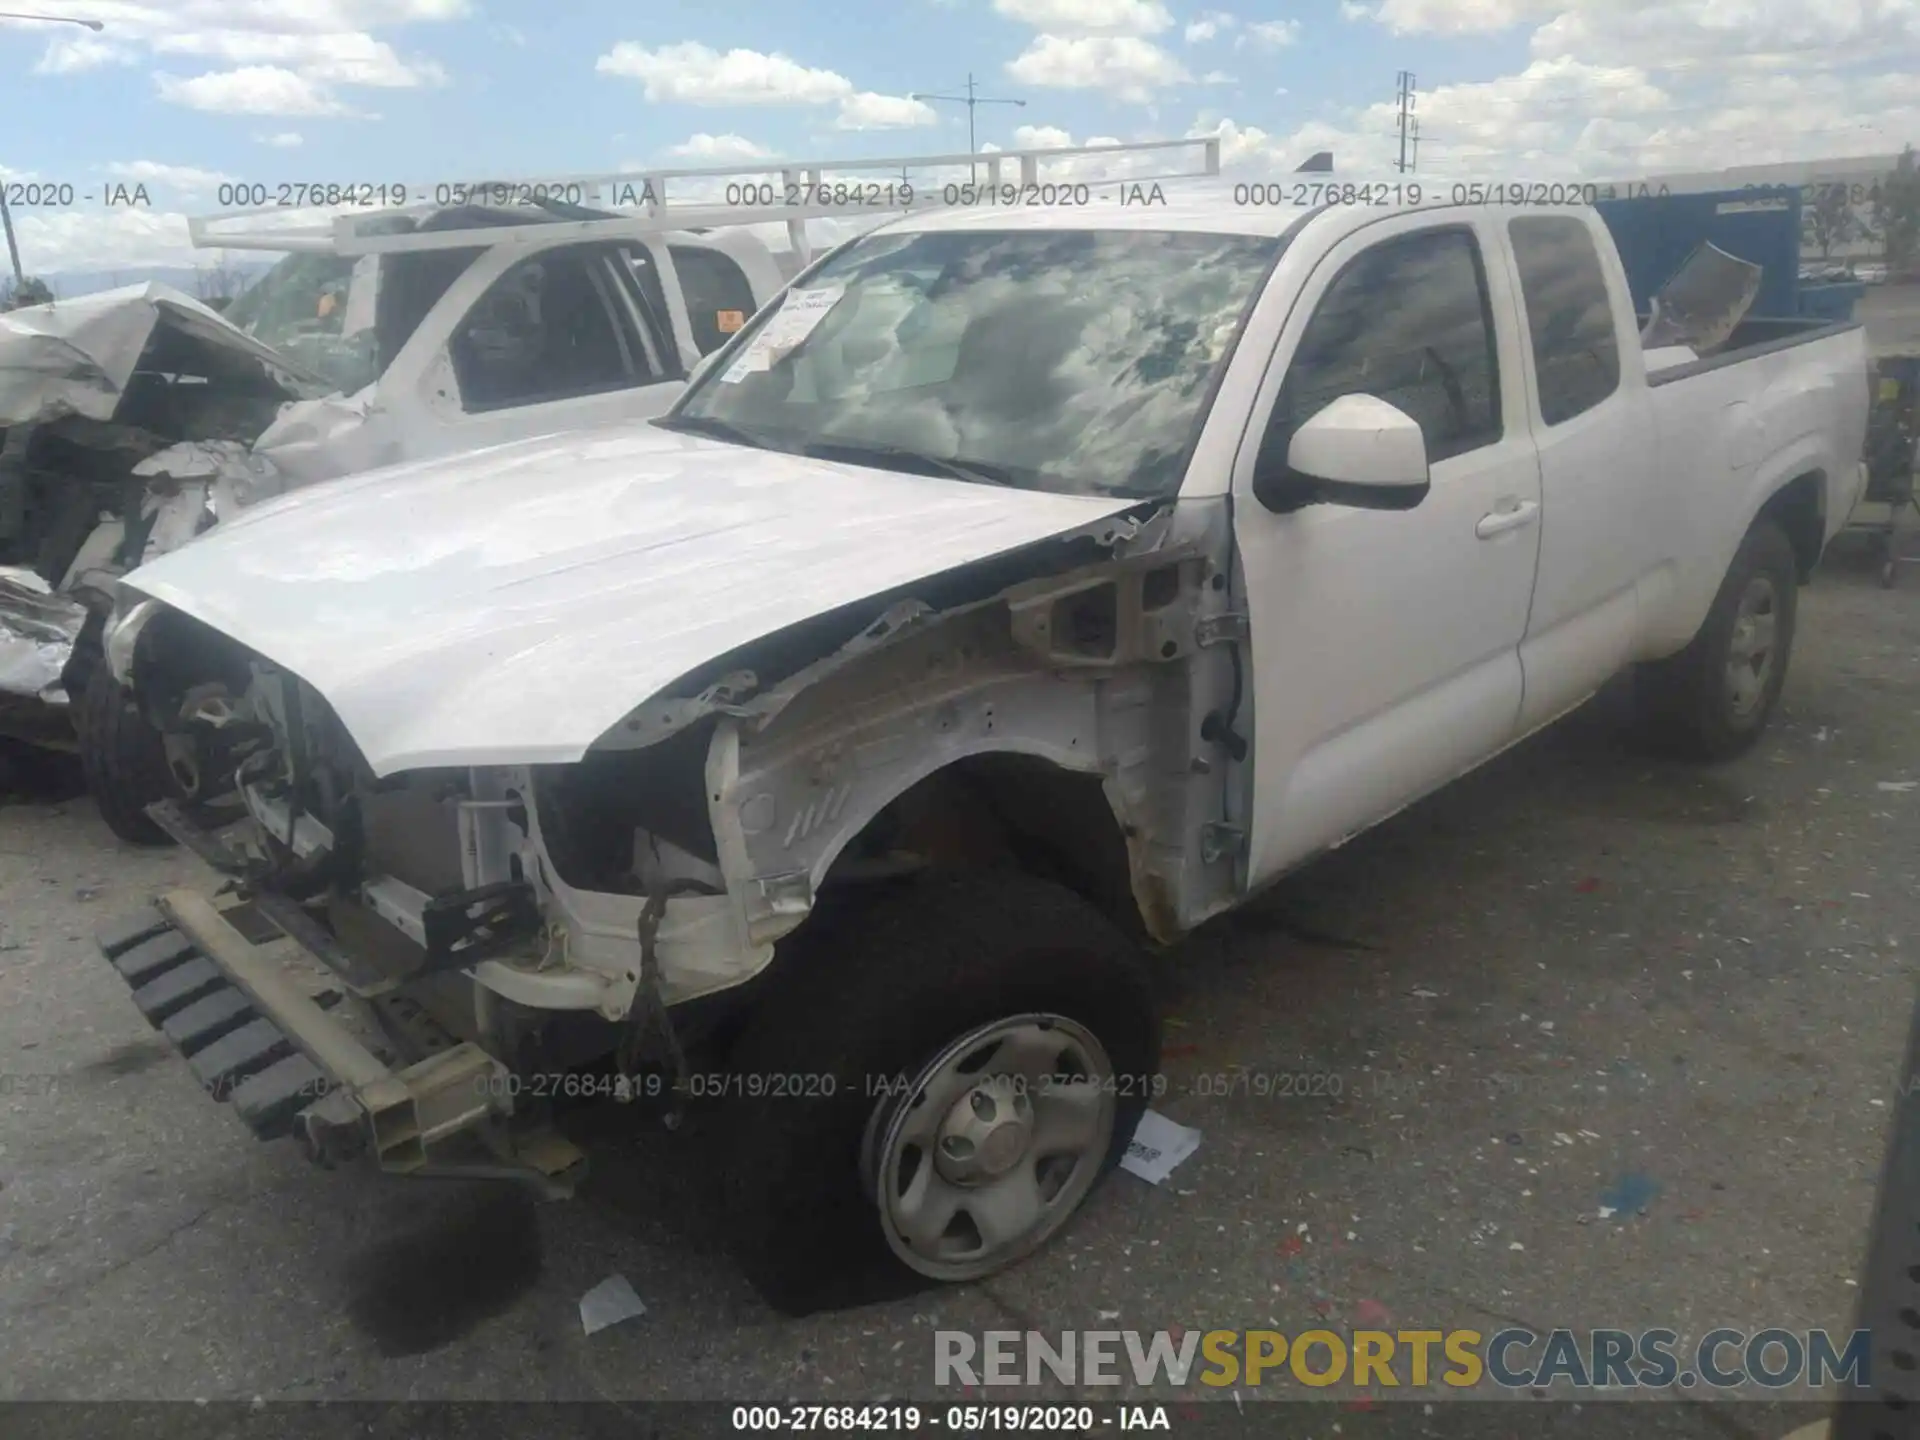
(1361, 440)
(509, 606)
(1394, 651)
(1385, 644)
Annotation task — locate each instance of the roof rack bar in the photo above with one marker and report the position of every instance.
(642, 203)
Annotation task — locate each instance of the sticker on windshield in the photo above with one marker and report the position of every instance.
(751, 363)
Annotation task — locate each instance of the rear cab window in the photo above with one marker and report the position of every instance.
(719, 299)
(554, 327)
(1576, 348)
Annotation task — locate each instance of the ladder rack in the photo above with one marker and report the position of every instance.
(623, 203)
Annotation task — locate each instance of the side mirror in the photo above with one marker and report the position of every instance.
(1359, 452)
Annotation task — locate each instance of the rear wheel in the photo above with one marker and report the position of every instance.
(1713, 699)
(125, 760)
(930, 1092)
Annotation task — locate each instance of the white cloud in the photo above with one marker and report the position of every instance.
(251, 90)
(1272, 34)
(83, 52)
(282, 140)
(1130, 67)
(1041, 137)
(1453, 17)
(695, 74)
(87, 238)
(722, 149)
(1088, 17)
(1777, 35)
(346, 58)
(323, 43)
(1211, 23)
(867, 111)
(187, 179)
(1220, 77)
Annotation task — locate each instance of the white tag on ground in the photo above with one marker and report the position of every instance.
(1159, 1145)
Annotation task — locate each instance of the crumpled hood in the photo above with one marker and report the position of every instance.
(74, 357)
(510, 605)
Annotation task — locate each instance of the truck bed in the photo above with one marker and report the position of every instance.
(1754, 338)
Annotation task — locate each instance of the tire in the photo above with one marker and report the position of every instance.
(124, 759)
(1691, 704)
(877, 993)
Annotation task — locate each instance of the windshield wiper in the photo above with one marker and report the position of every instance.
(715, 429)
(898, 457)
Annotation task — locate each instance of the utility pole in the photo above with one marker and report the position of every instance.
(971, 101)
(6, 215)
(1409, 127)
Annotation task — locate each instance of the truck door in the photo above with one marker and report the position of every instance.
(562, 339)
(1385, 644)
(1594, 432)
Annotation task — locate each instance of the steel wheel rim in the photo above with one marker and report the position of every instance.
(1036, 1141)
(1754, 645)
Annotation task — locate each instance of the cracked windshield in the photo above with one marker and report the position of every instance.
(1075, 362)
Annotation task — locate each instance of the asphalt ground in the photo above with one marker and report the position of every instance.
(1597, 1041)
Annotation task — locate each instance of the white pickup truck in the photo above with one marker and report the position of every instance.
(1029, 586)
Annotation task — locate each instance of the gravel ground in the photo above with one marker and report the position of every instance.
(1577, 980)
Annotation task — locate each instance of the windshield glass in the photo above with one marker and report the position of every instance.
(1070, 361)
(317, 311)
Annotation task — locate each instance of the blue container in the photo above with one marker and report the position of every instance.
(1656, 234)
(1831, 300)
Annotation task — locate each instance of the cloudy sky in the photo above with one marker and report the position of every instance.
(183, 94)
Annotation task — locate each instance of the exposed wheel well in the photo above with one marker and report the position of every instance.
(1800, 509)
(1002, 809)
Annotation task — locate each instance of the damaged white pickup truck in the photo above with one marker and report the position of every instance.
(1025, 589)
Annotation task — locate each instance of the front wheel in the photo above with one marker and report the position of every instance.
(933, 1088)
(124, 759)
(1712, 700)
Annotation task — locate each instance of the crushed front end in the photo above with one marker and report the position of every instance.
(413, 967)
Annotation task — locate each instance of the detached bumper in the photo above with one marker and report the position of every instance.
(257, 1040)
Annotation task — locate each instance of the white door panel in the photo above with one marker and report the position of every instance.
(1593, 427)
(538, 344)
(1385, 643)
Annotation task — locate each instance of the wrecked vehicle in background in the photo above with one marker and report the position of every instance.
(1026, 587)
(96, 395)
(136, 419)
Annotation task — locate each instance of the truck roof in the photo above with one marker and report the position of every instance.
(1216, 206)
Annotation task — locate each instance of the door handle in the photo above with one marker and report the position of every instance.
(1501, 521)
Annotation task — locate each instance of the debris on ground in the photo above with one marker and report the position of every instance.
(1629, 1195)
(1159, 1146)
(608, 1303)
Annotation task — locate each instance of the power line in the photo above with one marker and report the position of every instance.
(971, 101)
(1408, 129)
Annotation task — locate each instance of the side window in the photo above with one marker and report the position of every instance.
(1407, 321)
(719, 299)
(552, 328)
(1576, 354)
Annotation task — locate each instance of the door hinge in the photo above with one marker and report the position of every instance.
(1218, 841)
(1220, 629)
